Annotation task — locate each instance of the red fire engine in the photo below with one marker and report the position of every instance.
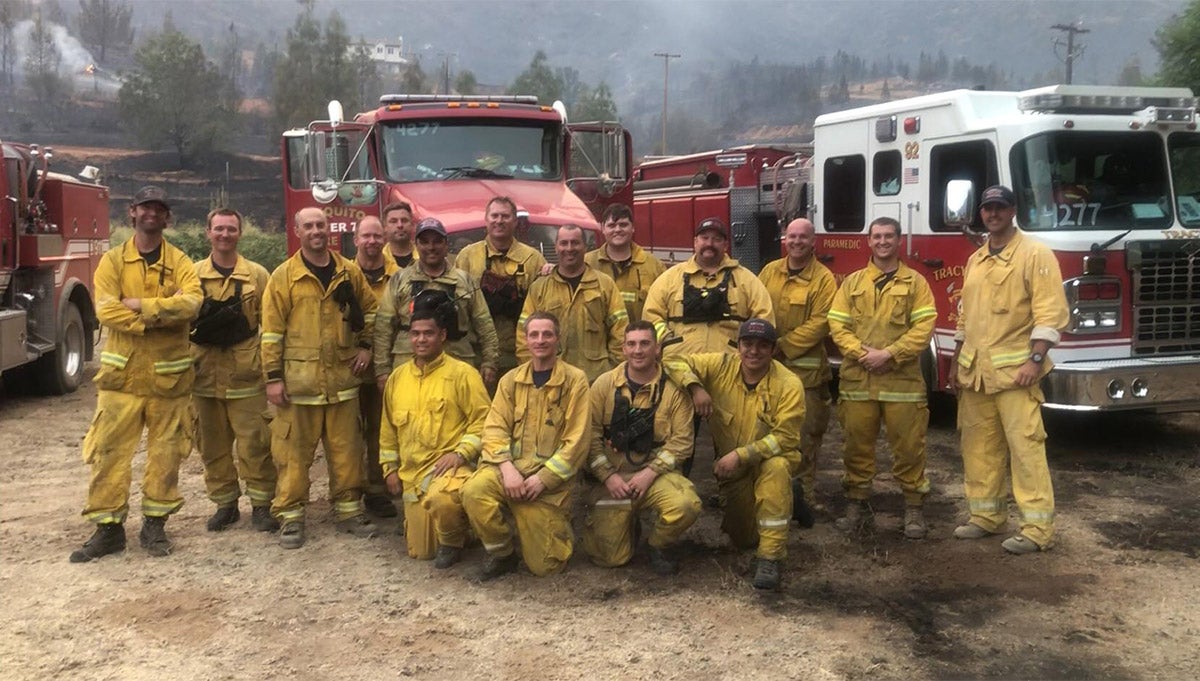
(447, 156)
(53, 230)
(741, 185)
(1108, 177)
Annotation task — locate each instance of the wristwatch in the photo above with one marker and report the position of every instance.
(1037, 358)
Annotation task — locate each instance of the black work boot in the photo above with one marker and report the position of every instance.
(447, 556)
(495, 566)
(153, 537)
(766, 574)
(262, 520)
(108, 538)
(224, 517)
(802, 513)
(859, 518)
(380, 505)
(662, 562)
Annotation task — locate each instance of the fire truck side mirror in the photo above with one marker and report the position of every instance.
(959, 205)
(315, 146)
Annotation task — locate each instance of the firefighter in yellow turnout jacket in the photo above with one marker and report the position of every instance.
(632, 268)
(696, 306)
(379, 268)
(756, 409)
(1013, 311)
(229, 397)
(505, 269)
(534, 441)
(472, 321)
(641, 434)
(316, 349)
(434, 408)
(146, 297)
(587, 304)
(802, 291)
(882, 320)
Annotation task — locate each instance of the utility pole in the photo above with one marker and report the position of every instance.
(666, 57)
(1072, 52)
(446, 70)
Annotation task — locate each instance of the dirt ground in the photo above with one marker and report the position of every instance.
(1119, 597)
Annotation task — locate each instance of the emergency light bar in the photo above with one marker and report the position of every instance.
(1098, 103)
(417, 99)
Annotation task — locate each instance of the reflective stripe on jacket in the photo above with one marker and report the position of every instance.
(802, 303)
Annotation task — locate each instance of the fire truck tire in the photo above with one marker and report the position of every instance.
(61, 371)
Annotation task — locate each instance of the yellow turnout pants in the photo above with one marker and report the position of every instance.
(905, 424)
(295, 431)
(818, 404)
(222, 424)
(1002, 433)
(758, 507)
(608, 532)
(543, 525)
(434, 516)
(111, 441)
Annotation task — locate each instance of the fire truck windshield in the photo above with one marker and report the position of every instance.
(1094, 181)
(451, 148)
(1184, 148)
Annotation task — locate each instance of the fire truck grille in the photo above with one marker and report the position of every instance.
(1166, 298)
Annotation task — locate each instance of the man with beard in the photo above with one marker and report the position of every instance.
(587, 304)
(316, 348)
(434, 408)
(756, 406)
(147, 295)
(369, 242)
(696, 306)
(505, 269)
(802, 290)
(466, 318)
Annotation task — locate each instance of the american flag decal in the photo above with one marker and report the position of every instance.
(912, 175)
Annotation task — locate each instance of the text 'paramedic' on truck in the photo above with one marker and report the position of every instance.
(447, 156)
(53, 231)
(1108, 177)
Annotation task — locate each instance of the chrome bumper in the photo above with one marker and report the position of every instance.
(1164, 384)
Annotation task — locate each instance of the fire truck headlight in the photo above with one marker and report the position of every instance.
(1139, 388)
(1116, 389)
(1085, 320)
(1108, 319)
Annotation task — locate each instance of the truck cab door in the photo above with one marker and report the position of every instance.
(600, 164)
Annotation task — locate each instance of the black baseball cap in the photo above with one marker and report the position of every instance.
(711, 223)
(151, 194)
(998, 193)
(757, 328)
(431, 225)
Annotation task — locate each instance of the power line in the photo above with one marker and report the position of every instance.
(1073, 52)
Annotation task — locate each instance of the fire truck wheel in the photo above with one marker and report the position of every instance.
(61, 371)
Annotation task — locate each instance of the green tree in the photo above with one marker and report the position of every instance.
(414, 81)
(315, 69)
(174, 97)
(1178, 45)
(466, 83)
(538, 79)
(366, 76)
(1131, 73)
(595, 105)
(102, 24)
(42, 62)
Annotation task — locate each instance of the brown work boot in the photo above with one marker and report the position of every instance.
(858, 517)
(359, 526)
(971, 531)
(914, 523)
(108, 538)
(153, 536)
(1019, 544)
(224, 517)
(291, 535)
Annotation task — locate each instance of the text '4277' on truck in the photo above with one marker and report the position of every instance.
(447, 156)
(1107, 177)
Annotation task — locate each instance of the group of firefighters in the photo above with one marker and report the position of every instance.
(482, 388)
